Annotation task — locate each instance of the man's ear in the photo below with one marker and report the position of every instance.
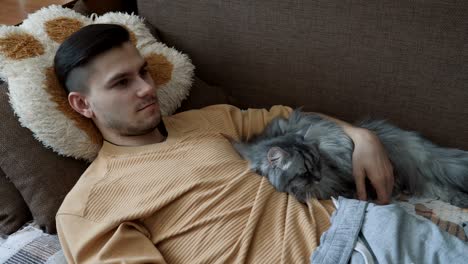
(80, 104)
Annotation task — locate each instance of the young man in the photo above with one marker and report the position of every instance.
(172, 189)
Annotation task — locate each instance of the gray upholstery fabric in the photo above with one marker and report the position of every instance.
(406, 61)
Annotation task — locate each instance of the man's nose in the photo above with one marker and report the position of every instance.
(144, 88)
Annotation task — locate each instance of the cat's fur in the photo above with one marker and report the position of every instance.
(309, 156)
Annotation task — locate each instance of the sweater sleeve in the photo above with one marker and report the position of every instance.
(243, 124)
(85, 241)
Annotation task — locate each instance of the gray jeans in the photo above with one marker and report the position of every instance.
(363, 232)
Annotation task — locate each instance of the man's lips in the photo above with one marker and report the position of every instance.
(148, 105)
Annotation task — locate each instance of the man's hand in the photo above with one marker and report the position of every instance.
(370, 160)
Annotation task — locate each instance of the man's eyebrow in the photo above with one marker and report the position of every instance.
(123, 74)
(117, 77)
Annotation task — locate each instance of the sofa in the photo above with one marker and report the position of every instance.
(405, 61)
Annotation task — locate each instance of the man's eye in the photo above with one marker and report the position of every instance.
(122, 82)
(143, 72)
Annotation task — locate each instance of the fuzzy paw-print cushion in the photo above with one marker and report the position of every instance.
(26, 63)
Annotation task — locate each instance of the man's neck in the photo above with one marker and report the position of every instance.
(158, 135)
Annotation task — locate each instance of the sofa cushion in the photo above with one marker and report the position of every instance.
(42, 177)
(30, 48)
(14, 212)
(401, 60)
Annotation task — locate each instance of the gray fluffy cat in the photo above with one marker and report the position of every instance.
(309, 156)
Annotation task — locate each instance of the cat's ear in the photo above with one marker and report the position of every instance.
(303, 132)
(282, 123)
(276, 156)
(308, 132)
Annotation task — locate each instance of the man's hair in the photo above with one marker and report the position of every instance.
(80, 48)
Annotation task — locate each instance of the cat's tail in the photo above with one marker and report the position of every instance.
(417, 160)
(452, 166)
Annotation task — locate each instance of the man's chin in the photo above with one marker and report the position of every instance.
(149, 128)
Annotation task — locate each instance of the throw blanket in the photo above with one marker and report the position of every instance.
(30, 245)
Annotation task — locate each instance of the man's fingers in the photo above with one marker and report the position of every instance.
(390, 180)
(359, 178)
(390, 185)
(383, 196)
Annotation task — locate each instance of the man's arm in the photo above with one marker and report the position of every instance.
(369, 160)
(369, 157)
(85, 241)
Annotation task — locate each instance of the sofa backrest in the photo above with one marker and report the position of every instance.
(406, 61)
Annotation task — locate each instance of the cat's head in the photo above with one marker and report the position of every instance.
(283, 159)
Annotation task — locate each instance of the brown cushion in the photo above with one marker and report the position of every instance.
(402, 60)
(42, 177)
(14, 212)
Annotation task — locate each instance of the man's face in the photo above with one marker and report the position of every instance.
(121, 92)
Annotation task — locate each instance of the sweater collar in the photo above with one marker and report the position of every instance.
(167, 128)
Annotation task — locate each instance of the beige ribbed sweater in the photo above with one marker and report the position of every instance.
(189, 199)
